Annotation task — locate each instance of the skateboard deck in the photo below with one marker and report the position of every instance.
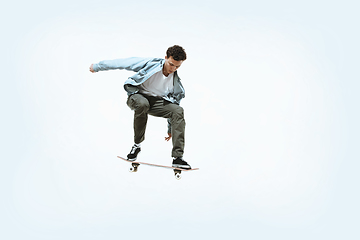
(177, 171)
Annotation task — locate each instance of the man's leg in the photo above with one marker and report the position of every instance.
(140, 105)
(165, 109)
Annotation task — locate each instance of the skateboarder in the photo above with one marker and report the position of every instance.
(155, 89)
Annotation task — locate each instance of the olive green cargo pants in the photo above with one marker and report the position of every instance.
(158, 107)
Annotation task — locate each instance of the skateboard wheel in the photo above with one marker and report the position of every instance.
(178, 176)
(134, 167)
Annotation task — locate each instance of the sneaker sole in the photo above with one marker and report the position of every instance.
(181, 166)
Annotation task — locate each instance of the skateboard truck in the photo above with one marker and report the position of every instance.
(134, 167)
(177, 174)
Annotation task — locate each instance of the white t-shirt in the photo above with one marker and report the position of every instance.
(158, 85)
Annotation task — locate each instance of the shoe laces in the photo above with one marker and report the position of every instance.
(133, 149)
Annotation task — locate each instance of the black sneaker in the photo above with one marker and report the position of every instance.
(132, 156)
(180, 163)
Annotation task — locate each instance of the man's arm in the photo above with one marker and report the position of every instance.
(92, 68)
(169, 130)
(132, 64)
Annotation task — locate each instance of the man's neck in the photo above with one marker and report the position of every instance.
(163, 71)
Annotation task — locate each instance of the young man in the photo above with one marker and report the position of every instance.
(155, 89)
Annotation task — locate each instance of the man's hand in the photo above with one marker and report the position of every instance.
(168, 137)
(91, 68)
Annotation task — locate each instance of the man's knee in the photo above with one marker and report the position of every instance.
(178, 111)
(138, 102)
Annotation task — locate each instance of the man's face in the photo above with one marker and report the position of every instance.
(171, 65)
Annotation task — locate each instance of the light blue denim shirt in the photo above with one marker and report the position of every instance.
(144, 68)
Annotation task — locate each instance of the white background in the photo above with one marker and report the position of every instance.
(272, 112)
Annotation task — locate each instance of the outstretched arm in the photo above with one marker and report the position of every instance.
(132, 64)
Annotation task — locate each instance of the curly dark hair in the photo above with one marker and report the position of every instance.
(176, 52)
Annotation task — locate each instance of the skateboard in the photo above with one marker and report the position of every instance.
(177, 171)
